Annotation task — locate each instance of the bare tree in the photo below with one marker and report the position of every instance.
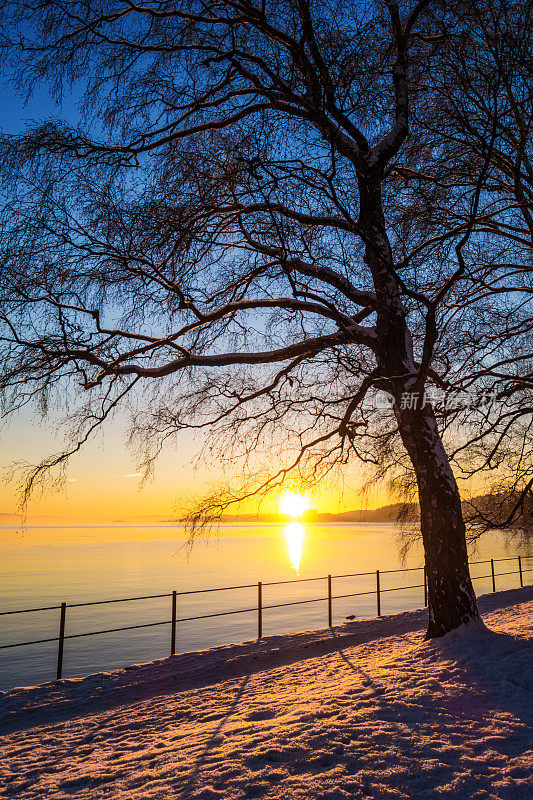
(256, 229)
(484, 72)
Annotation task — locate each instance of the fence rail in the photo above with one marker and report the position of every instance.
(259, 608)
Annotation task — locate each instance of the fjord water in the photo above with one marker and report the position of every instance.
(46, 566)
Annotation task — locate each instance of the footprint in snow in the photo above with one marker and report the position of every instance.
(261, 713)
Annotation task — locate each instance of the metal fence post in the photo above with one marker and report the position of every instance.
(259, 610)
(330, 610)
(61, 643)
(173, 631)
(63, 606)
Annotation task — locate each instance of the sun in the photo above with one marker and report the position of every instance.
(292, 505)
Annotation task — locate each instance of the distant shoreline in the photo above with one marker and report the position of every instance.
(388, 514)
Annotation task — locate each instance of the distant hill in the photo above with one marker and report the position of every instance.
(495, 507)
(7, 518)
(407, 512)
(499, 508)
(390, 513)
(65, 521)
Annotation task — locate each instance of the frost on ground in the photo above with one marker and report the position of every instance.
(367, 710)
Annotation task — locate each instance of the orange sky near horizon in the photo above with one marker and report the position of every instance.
(103, 483)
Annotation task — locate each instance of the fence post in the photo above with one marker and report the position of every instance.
(520, 571)
(493, 576)
(173, 630)
(259, 610)
(330, 610)
(377, 593)
(61, 641)
(425, 588)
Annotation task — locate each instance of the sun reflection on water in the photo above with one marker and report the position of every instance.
(295, 535)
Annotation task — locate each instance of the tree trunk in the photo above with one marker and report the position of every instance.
(451, 598)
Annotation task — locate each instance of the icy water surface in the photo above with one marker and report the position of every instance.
(47, 566)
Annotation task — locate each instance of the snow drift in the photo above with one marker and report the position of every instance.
(365, 710)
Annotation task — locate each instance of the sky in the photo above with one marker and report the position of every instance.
(103, 482)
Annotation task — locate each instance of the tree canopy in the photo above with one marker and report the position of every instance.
(203, 226)
(268, 213)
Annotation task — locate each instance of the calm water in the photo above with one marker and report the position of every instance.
(45, 566)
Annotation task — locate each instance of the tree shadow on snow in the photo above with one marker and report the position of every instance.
(185, 791)
(461, 703)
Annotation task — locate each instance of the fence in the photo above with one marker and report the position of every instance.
(259, 608)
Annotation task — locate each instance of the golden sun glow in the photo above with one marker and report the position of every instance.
(292, 505)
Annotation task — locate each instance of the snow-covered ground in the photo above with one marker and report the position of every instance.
(364, 710)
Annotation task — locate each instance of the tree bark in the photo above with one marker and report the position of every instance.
(451, 598)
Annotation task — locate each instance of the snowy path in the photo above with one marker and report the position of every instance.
(366, 710)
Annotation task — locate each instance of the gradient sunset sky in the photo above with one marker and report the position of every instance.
(103, 482)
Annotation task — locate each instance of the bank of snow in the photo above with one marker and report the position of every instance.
(364, 710)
